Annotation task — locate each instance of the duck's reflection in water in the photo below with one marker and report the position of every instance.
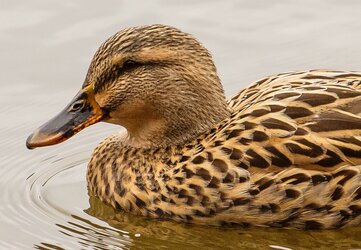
(124, 231)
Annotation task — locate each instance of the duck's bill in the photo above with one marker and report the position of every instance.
(82, 112)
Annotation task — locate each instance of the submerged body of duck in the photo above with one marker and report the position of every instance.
(284, 152)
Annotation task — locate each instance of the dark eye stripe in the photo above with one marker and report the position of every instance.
(110, 74)
(113, 73)
(128, 64)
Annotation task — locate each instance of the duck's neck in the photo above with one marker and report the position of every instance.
(176, 126)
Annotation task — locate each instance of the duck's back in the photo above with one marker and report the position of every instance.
(289, 155)
(313, 118)
(298, 135)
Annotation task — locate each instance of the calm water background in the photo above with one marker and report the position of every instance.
(45, 48)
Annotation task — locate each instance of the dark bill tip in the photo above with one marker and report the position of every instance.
(29, 142)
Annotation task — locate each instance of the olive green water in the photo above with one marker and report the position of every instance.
(45, 49)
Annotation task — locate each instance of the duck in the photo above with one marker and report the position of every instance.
(283, 152)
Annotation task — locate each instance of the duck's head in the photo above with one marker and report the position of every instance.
(157, 81)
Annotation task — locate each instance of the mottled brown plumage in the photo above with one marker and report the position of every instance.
(284, 152)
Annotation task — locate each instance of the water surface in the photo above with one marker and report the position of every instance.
(45, 49)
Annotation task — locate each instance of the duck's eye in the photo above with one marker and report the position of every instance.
(129, 64)
(77, 106)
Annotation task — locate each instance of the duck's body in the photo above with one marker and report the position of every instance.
(284, 152)
(289, 155)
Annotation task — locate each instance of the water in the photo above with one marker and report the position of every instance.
(45, 48)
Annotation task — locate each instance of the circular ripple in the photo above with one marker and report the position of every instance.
(58, 192)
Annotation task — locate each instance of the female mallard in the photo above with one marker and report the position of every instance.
(284, 152)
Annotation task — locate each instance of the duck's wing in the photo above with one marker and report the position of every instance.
(304, 119)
